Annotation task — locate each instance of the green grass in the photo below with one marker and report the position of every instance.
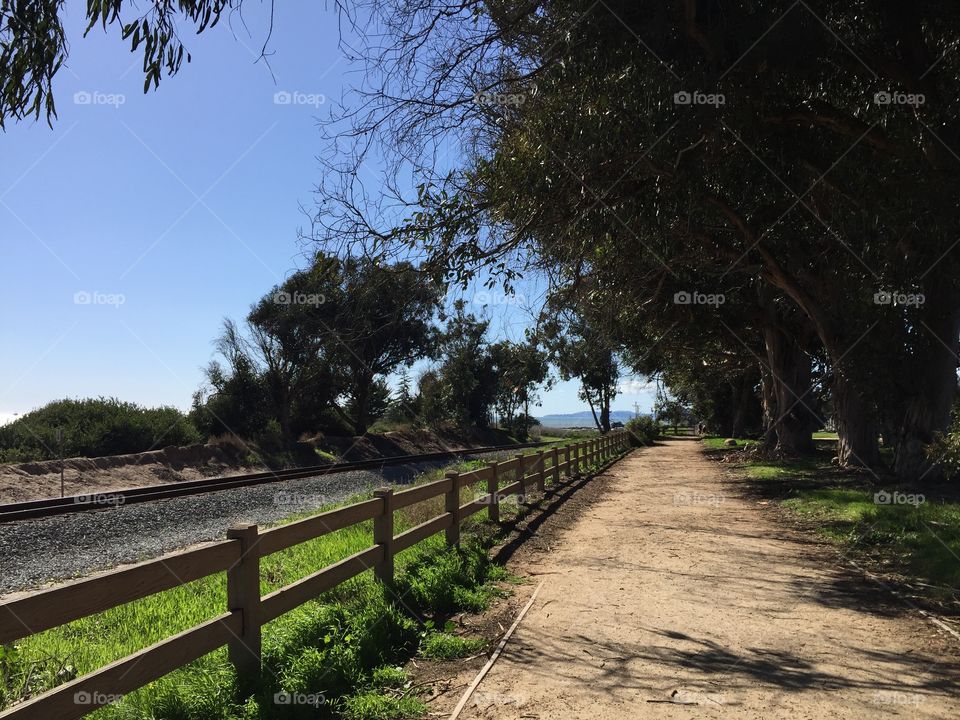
(446, 646)
(717, 443)
(371, 705)
(921, 540)
(824, 435)
(341, 638)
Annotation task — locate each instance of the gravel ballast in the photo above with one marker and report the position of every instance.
(38, 552)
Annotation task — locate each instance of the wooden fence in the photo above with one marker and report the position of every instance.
(239, 628)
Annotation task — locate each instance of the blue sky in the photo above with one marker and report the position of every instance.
(136, 224)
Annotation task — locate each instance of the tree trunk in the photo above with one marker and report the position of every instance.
(605, 411)
(361, 399)
(856, 422)
(856, 417)
(934, 382)
(769, 402)
(791, 420)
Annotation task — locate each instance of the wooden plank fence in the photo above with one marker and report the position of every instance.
(239, 628)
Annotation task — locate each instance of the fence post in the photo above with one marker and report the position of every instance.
(521, 471)
(383, 535)
(493, 491)
(243, 594)
(452, 506)
(541, 471)
(556, 465)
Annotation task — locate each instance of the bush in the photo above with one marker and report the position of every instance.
(643, 431)
(944, 452)
(93, 428)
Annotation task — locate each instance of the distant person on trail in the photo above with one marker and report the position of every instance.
(701, 428)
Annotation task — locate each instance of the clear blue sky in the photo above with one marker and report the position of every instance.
(166, 211)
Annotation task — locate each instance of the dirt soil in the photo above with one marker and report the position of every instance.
(38, 480)
(669, 594)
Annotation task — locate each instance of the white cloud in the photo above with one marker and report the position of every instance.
(635, 386)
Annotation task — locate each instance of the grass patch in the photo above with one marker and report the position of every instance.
(446, 646)
(921, 540)
(371, 705)
(897, 528)
(714, 442)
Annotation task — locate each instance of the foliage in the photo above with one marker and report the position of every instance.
(944, 452)
(644, 430)
(519, 368)
(93, 428)
(321, 342)
(461, 390)
(35, 47)
(582, 350)
(672, 411)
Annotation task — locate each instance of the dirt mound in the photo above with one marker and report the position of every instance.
(409, 442)
(36, 480)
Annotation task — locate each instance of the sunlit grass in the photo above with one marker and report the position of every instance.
(917, 536)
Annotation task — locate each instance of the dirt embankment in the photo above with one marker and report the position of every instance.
(38, 480)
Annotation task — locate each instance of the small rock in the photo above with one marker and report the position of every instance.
(730, 442)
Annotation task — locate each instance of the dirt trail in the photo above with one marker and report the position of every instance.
(670, 598)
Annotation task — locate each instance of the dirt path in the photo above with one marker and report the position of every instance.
(670, 599)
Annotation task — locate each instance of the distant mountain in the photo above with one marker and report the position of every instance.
(582, 418)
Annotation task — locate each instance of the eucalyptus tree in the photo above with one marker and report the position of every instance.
(768, 140)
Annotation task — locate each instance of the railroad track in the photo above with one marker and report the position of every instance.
(33, 509)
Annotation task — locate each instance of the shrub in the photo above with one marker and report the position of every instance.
(643, 431)
(93, 428)
(944, 452)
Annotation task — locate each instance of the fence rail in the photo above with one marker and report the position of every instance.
(239, 556)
